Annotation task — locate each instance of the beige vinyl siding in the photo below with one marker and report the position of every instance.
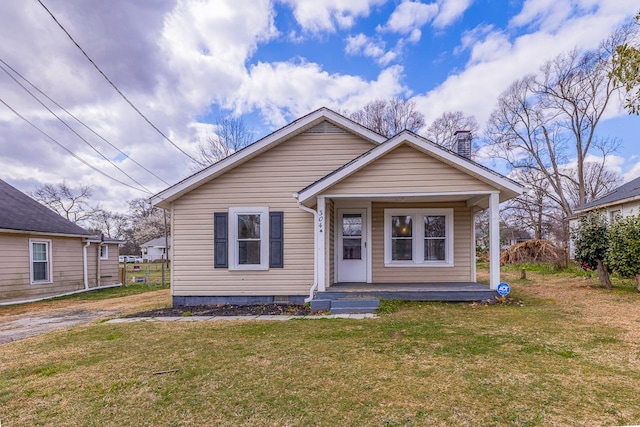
(406, 170)
(463, 252)
(109, 268)
(15, 282)
(268, 180)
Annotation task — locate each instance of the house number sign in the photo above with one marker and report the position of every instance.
(320, 220)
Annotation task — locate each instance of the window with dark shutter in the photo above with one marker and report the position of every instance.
(276, 239)
(220, 240)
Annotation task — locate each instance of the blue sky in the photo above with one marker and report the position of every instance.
(183, 61)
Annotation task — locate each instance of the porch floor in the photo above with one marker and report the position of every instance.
(444, 291)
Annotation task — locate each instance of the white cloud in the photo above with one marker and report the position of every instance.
(410, 15)
(449, 11)
(369, 47)
(286, 90)
(325, 15)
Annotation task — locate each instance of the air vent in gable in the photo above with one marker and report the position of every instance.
(325, 127)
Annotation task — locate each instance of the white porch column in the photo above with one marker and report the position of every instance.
(494, 240)
(321, 244)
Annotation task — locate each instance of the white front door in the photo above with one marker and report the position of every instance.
(352, 245)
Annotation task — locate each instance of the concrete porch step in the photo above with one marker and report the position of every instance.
(345, 305)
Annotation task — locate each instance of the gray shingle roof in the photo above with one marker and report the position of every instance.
(625, 191)
(21, 213)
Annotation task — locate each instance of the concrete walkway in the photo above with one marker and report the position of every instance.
(229, 318)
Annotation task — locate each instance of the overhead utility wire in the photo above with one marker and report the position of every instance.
(116, 88)
(69, 151)
(73, 130)
(79, 121)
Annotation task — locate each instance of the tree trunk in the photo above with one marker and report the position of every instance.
(637, 277)
(603, 274)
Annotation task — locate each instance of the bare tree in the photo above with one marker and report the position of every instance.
(147, 221)
(442, 130)
(231, 135)
(73, 204)
(544, 123)
(389, 116)
(113, 225)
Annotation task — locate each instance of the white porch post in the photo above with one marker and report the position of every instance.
(494, 240)
(321, 243)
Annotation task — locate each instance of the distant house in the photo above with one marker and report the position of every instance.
(623, 201)
(43, 255)
(323, 202)
(155, 250)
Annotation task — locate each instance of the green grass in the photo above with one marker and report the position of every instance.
(120, 291)
(543, 363)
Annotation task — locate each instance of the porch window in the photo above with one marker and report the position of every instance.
(40, 261)
(418, 237)
(249, 237)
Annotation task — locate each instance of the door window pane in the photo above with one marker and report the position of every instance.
(352, 248)
(352, 225)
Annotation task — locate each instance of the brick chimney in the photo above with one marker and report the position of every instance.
(462, 143)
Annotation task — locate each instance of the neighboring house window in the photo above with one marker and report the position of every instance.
(104, 252)
(249, 238)
(418, 237)
(40, 261)
(613, 215)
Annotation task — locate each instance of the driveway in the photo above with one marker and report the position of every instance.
(26, 320)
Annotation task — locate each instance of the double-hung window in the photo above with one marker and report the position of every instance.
(40, 261)
(104, 252)
(418, 237)
(249, 237)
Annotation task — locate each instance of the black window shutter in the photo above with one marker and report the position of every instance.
(276, 239)
(220, 240)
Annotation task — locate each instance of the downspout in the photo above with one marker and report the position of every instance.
(314, 286)
(85, 265)
(98, 272)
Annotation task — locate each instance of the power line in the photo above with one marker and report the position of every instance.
(69, 151)
(73, 130)
(78, 120)
(115, 87)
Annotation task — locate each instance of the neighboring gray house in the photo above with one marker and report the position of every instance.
(624, 201)
(155, 249)
(43, 255)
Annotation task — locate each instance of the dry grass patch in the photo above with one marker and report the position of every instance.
(556, 360)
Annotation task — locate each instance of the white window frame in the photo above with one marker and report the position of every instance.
(418, 237)
(233, 238)
(49, 251)
(106, 252)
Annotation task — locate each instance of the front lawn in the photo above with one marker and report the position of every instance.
(568, 356)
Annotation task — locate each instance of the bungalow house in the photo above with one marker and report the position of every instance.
(155, 250)
(43, 255)
(325, 202)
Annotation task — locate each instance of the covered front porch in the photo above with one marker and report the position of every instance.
(365, 297)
